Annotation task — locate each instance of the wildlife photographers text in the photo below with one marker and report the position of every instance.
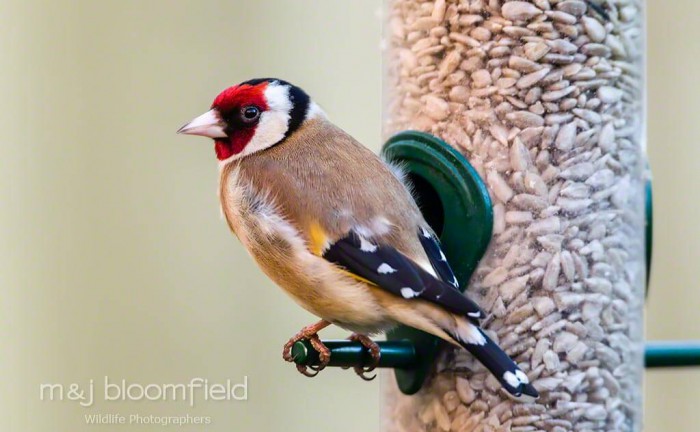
(195, 390)
(119, 419)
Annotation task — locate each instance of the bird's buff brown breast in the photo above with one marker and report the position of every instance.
(282, 252)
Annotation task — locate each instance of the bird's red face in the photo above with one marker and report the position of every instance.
(251, 117)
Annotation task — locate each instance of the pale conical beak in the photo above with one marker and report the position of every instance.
(208, 124)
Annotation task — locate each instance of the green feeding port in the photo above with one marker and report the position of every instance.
(450, 193)
(455, 202)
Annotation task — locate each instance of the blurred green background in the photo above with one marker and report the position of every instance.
(114, 259)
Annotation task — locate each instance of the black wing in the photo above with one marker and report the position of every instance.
(437, 258)
(389, 269)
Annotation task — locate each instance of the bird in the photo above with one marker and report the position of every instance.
(337, 228)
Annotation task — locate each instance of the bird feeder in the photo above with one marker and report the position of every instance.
(544, 100)
(520, 125)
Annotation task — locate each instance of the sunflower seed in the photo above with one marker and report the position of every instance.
(532, 78)
(519, 11)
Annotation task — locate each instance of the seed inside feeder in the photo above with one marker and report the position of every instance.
(544, 99)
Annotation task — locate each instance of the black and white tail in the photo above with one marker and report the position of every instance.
(471, 337)
(500, 365)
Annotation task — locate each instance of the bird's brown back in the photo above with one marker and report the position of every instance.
(322, 175)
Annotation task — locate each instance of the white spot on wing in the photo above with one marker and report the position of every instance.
(511, 379)
(385, 269)
(366, 246)
(455, 282)
(474, 314)
(408, 293)
(425, 232)
(442, 256)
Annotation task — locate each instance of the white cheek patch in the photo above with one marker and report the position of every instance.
(269, 131)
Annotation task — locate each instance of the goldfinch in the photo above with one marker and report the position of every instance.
(336, 227)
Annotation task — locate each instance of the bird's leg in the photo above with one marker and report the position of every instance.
(374, 351)
(309, 333)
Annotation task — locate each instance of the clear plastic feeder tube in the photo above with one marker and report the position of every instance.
(544, 98)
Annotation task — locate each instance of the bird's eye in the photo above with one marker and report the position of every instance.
(250, 114)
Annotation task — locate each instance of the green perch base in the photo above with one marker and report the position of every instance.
(402, 354)
(344, 353)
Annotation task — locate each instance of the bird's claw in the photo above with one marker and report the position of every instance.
(304, 370)
(324, 354)
(361, 371)
(374, 351)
